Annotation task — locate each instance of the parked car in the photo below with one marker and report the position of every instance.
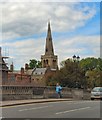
(96, 93)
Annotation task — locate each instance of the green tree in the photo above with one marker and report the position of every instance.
(91, 63)
(69, 73)
(34, 63)
(39, 64)
(87, 72)
(93, 69)
(93, 78)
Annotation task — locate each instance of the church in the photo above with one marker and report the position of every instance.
(36, 76)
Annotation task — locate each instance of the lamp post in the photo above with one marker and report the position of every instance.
(76, 60)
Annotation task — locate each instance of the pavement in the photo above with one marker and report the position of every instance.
(31, 101)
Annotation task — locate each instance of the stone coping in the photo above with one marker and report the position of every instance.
(31, 101)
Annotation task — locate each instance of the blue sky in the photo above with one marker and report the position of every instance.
(75, 30)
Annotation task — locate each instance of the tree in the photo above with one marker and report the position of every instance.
(39, 64)
(91, 63)
(94, 78)
(87, 73)
(34, 63)
(69, 73)
(93, 71)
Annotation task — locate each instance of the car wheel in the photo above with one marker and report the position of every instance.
(92, 98)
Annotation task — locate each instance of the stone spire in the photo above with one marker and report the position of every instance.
(49, 60)
(49, 45)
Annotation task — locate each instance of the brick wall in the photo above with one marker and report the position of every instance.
(18, 79)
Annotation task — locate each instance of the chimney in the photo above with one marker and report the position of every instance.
(0, 56)
(0, 51)
(22, 70)
(26, 66)
(11, 67)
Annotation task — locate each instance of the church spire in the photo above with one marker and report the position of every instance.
(49, 31)
(49, 45)
(49, 60)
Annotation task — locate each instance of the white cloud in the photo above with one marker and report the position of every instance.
(22, 51)
(50, 1)
(25, 19)
(84, 46)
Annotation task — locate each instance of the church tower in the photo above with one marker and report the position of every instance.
(49, 59)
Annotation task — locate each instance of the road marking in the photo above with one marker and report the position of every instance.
(78, 102)
(33, 108)
(59, 102)
(73, 110)
(1, 118)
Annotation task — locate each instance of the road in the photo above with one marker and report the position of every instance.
(62, 109)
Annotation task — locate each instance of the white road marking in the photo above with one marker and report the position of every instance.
(73, 110)
(78, 102)
(1, 118)
(33, 108)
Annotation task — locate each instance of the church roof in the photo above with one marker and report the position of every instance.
(37, 71)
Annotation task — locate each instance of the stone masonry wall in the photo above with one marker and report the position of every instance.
(31, 92)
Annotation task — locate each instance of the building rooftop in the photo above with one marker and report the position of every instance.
(36, 71)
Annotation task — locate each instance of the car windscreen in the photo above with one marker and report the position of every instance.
(97, 89)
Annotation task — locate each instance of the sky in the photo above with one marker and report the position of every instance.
(75, 29)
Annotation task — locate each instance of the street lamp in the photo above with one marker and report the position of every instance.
(76, 60)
